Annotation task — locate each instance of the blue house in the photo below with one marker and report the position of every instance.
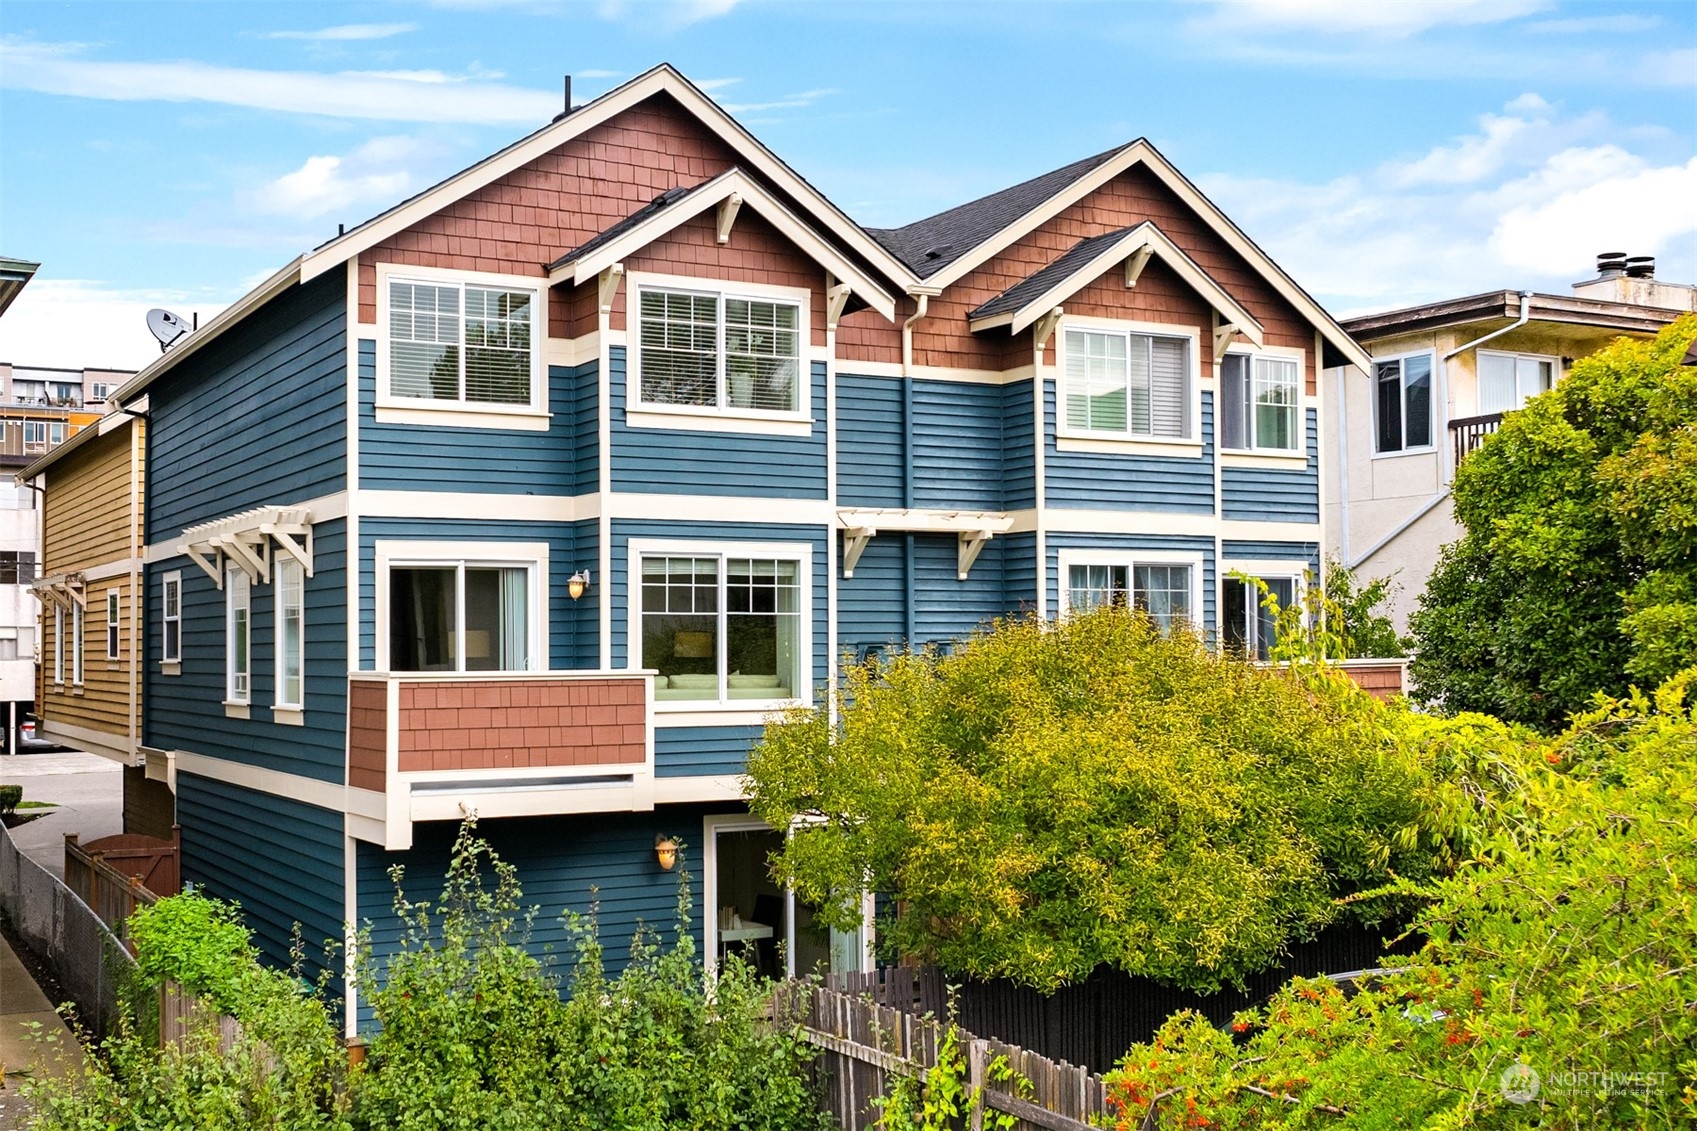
(534, 496)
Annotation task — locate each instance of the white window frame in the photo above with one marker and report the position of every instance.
(463, 413)
(170, 658)
(238, 596)
(530, 556)
(1082, 437)
(98, 390)
(1438, 422)
(714, 824)
(1130, 559)
(114, 621)
(284, 569)
(1264, 569)
(1279, 353)
(652, 415)
(58, 645)
(1479, 377)
(754, 709)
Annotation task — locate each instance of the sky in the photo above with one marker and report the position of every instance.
(1385, 153)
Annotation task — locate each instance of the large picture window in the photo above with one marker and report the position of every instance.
(1246, 625)
(1124, 384)
(1259, 403)
(1163, 590)
(718, 351)
(461, 342)
(1402, 400)
(459, 616)
(238, 636)
(723, 627)
(1508, 380)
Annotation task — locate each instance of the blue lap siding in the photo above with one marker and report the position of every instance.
(871, 458)
(1267, 495)
(1129, 481)
(681, 752)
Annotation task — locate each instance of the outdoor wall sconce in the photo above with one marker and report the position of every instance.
(578, 584)
(665, 852)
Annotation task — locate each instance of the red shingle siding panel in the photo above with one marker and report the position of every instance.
(368, 735)
(482, 725)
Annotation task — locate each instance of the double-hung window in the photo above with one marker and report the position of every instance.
(1247, 626)
(1259, 403)
(171, 619)
(290, 586)
(462, 616)
(113, 611)
(462, 343)
(238, 636)
(725, 626)
(1509, 380)
(1163, 590)
(59, 645)
(1402, 403)
(718, 352)
(1127, 384)
(76, 645)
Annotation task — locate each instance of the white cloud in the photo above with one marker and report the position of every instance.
(1594, 25)
(343, 33)
(786, 102)
(375, 172)
(1670, 68)
(59, 69)
(1386, 18)
(77, 323)
(1525, 203)
(663, 15)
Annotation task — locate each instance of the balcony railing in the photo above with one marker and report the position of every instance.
(438, 746)
(1468, 432)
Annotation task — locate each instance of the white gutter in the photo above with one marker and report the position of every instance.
(1446, 452)
(924, 300)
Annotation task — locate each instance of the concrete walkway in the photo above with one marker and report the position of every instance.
(26, 1015)
(89, 792)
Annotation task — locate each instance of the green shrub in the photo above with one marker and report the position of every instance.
(10, 795)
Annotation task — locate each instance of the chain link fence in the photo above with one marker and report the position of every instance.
(65, 936)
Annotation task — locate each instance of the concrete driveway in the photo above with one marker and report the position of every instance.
(89, 792)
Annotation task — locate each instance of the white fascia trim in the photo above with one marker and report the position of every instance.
(1264, 568)
(847, 367)
(1145, 235)
(473, 505)
(720, 508)
(731, 183)
(1141, 152)
(108, 744)
(582, 119)
(215, 326)
(123, 567)
(677, 791)
(312, 791)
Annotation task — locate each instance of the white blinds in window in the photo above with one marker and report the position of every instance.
(424, 341)
(1162, 406)
(762, 355)
(680, 343)
(497, 346)
(453, 343)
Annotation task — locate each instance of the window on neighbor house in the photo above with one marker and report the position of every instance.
(171, 618)
(114, 604)
(1259, 403)
(35, 435)
(59, 645)
(722, 628)
(76, 645)
(238, 636)
(290, 586)
(1509, 380)
(1246, 626)
(17, 567)
(98, 390)
(11, 646)
(1163, 590)
(459, 616)
(718, 351)
(461, 343)
(1123, 384)
(1402, 398)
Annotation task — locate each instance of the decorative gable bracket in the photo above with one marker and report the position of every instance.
(252, 541)
(972, 529)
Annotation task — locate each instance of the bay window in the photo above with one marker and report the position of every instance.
(1127, 384)
(462, 342)
(724, 626)
(1259, 403)
(718, 352)
(1402, 401)
(1508, 380)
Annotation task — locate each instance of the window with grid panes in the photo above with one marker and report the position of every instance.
(1259, 403)
(1127, 384)
(722, 628)
(1159, 589)
(717, 351)
(461, 342)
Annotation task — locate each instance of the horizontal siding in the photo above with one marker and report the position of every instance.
(1019, 571)
(946, 608)
(85, 516)
(957, 445)
(603, 864)
(1276, 551)
(870, 455)
(186, 712)
(281, 859)
(1019, 448)
(1266, 495)
(678, 462)
(573, 629)
(586, 429)
(257, 417)
(1129, 482)
(681, 752)
(103, 701)
(872, 605)
(493, 460)
(1131, 543)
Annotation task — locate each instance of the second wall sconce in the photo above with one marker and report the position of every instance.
(579, 584)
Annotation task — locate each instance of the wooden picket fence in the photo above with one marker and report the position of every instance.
(866, 1044)
(177, 1010)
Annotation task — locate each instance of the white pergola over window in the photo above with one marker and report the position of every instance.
(250, 541)
(63, 590)
(972, 529)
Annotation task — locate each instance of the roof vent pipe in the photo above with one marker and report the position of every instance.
(1611, 264)
(568, 108)
(1641, 267)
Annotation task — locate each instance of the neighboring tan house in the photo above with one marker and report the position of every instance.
(1443, 376)
(89, 688)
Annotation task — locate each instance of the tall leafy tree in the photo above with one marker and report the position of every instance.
(1577, 571)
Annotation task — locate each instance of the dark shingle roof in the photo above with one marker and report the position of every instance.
(665, 200)
(931, 244)
(1033, 285)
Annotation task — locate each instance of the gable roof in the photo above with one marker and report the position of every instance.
(1040, 292)
(1622, 317)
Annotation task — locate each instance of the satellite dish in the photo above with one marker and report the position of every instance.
(167, 327)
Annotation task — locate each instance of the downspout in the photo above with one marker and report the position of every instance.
(1446, 451)
(909, 613)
